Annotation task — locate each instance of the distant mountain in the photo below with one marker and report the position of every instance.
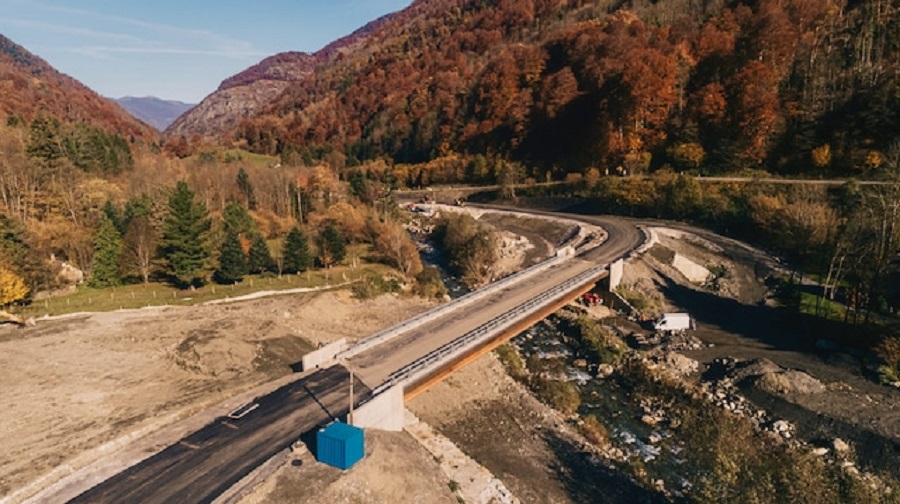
(244, 94)
(154, 111)
(30, 87)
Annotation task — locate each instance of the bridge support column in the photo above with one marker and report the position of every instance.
(616, 271)
(385, 412)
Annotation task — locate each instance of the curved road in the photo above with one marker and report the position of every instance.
(206, 463)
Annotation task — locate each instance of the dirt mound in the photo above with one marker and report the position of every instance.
(770, 377)
(789, 382)
(207, 353)
(742, 370)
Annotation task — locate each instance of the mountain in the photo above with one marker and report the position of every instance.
(563, 85)
(154, 111)
(30, 87)
(244, 94)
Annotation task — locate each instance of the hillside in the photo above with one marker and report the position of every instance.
(786, 85)
(246, 93)
(154, 111)
(30, 87)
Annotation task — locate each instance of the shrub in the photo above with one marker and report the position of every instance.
(889, 351)
(372, 286)
(594, 431)
(562, 396)
(429, 283)
(596, 344)
(512, 360)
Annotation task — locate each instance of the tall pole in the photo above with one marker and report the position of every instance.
(350, 416)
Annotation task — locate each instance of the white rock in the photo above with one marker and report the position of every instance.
(820, 451)
(649, 420)
(781, 426)
(605, 370)
(840, 446)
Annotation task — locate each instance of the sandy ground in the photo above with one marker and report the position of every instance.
(396, 469)
(73, 384)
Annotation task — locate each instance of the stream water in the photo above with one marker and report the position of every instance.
(615, 406)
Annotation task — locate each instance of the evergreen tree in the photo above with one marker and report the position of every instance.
(107, 249)
(296, 252)
(331, 245)
(118, 220)
(260, 259)
(246, 188)
(183, 246)
(46, 141)
(237, 219)
(232, 263)
(141, 206)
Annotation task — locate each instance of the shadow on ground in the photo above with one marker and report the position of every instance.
(587, 481)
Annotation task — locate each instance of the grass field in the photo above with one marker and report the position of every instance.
(160, 294)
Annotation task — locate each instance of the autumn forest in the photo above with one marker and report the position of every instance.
(621, 101)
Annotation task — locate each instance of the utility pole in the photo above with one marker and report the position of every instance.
(350, 416)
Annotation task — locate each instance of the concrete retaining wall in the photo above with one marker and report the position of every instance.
(325, 354)
(385, 412)
(616, 271)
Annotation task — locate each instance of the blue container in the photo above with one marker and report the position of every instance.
(340, 445)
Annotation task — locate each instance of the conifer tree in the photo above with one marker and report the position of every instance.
(113, 214)
(232, 263)
(331, 245)
(296, 252)
(237, 219)
(107, 249)
(246, 188)
(184, 247)
(260, 258)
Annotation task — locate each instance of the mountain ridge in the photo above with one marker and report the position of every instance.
(156, 112)
(245, 93)
(32, 88)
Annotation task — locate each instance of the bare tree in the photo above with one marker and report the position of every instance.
(139, 248)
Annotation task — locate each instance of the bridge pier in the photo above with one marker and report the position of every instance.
(385, 411)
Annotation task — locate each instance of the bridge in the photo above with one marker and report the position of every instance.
(380, 372)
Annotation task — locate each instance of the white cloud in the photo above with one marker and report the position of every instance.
(143, 37)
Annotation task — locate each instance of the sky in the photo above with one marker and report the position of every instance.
(175, 49)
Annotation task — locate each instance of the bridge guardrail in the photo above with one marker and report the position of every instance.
(386, 334)
(423, 364)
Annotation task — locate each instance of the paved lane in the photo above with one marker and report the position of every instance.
(207, 462)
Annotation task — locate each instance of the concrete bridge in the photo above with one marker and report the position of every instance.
(380, 373)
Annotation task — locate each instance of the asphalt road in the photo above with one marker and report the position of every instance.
(374, 366)
(206, 463)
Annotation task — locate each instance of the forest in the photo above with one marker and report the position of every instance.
(616, 100)
(794, 87)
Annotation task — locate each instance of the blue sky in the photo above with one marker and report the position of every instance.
(177, 50)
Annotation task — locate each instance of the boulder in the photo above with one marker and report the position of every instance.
(840, 446)
(605, 370)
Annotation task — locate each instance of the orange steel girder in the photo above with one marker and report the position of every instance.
(414, 389)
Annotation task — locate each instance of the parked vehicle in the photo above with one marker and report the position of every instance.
(674, 322)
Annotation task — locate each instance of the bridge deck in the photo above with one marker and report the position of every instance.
(376, 364)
